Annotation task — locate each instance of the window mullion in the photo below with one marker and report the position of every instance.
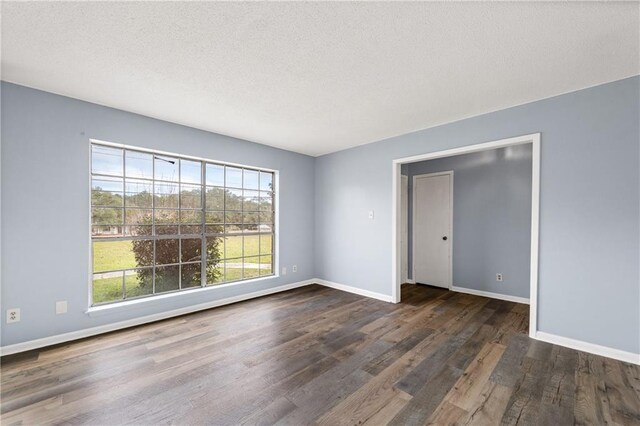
(259, 235)
(124, 210)
(153, 222)
(242, 228)
(224, 223)
(179, 225)
(203, 226)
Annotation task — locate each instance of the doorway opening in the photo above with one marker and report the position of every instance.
(424, 226)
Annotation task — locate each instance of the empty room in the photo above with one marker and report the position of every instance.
(332, 213)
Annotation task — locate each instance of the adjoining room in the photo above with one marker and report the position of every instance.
(467, 220)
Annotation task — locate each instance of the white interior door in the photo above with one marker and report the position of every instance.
(404, 227)
(432, 204)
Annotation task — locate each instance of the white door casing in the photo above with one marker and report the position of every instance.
(404, 227)
(432, 228)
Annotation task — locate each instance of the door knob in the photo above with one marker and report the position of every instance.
(444, 238)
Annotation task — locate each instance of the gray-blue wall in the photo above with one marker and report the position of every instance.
(589, 280)
(491, 217)
(45, 199)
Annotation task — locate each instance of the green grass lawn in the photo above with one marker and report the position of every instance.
(252, 243)
(107, 289)
(115, 255)
(110, 289)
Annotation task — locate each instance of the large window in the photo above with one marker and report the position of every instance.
(163, 223)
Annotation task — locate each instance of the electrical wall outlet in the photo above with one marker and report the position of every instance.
(284, 270)
(61, 307)
(13, 315)
(498, 277)
(371, 214)
(294, 268)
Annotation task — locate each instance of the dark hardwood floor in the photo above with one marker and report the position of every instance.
(317, 355)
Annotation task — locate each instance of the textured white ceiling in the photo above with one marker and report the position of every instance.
(317, 77)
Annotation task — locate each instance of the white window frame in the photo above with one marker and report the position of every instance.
(204, 287)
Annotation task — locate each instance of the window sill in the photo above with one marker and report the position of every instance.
(112, 308)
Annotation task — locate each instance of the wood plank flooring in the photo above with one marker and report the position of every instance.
(315, 355)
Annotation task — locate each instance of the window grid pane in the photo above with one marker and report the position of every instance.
(163, 223)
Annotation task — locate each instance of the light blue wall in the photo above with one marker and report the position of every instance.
(589, 279)
(491, 217)
(589, 219)
(45, 199)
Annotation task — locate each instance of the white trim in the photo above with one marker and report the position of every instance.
(535, 234)
(492, 295)
(534, 140)
(174, 154)
(354, 290)
(467, 149)
(413, 218)
(159, 299)
(404, 260)
(87, 332)
(396, 278)
(95, 310)
(276, 223)
(592, 348)
(408, 281)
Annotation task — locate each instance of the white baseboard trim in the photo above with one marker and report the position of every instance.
(617, 354)
(506, 297)
(354, 290)
(592, 348)
(88, 332)
(408, 281)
